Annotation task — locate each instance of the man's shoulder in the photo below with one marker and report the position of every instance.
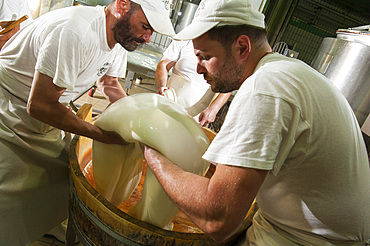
(79, 21)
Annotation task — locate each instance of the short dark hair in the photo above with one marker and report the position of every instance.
(226, 35)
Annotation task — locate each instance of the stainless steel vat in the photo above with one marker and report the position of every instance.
(185, 15)
(345, 60)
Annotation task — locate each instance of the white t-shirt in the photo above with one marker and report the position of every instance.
(69, 45)
(289, 119)
(192, 91)
(182, 52)
(18, 8)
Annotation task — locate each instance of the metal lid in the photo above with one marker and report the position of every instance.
(359, 34)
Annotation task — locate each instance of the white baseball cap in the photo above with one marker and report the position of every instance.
(157, 16)
(211, 13)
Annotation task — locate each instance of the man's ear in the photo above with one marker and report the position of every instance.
(122, 6)
(243, 46)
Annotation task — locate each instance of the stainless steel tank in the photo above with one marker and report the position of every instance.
(185, 14)
(345, 60)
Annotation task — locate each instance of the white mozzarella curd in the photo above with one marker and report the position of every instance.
(157, 122)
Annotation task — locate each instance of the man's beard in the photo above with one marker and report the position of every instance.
(228, 78)
(123, 34)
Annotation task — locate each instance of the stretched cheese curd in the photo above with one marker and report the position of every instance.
(157, 122)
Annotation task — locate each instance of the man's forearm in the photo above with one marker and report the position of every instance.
(161, 77)
(43, 104)
(161, 74)
(210, 203)
(220, 100)
(58, 116)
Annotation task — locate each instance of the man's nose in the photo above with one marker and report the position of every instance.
(147, 36)
(200, 69)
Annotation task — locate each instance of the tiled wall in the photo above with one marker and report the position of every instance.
(312, 20)
(160, 40)
(304, 38)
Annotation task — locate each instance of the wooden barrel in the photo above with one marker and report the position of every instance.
(98, 222)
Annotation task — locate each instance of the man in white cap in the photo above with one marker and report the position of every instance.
(46, 63)
(189, 88)
(290, 140)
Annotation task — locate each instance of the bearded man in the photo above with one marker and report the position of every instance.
(46, 63)
(290, 142)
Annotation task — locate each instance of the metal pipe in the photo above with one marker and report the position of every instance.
(277, 13)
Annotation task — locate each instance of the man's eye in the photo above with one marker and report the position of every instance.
(146, 27)
(201, 58)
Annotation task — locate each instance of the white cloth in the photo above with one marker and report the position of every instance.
(192, 91)
(289, 119)
(265, 233)
(69, 45)
(15, 9)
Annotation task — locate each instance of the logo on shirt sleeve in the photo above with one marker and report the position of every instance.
(104, 69)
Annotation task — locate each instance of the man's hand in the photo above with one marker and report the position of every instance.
(161, 89)
(112, 138)
(6, 36)
(207, 116)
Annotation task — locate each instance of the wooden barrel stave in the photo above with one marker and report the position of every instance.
(104, 224)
